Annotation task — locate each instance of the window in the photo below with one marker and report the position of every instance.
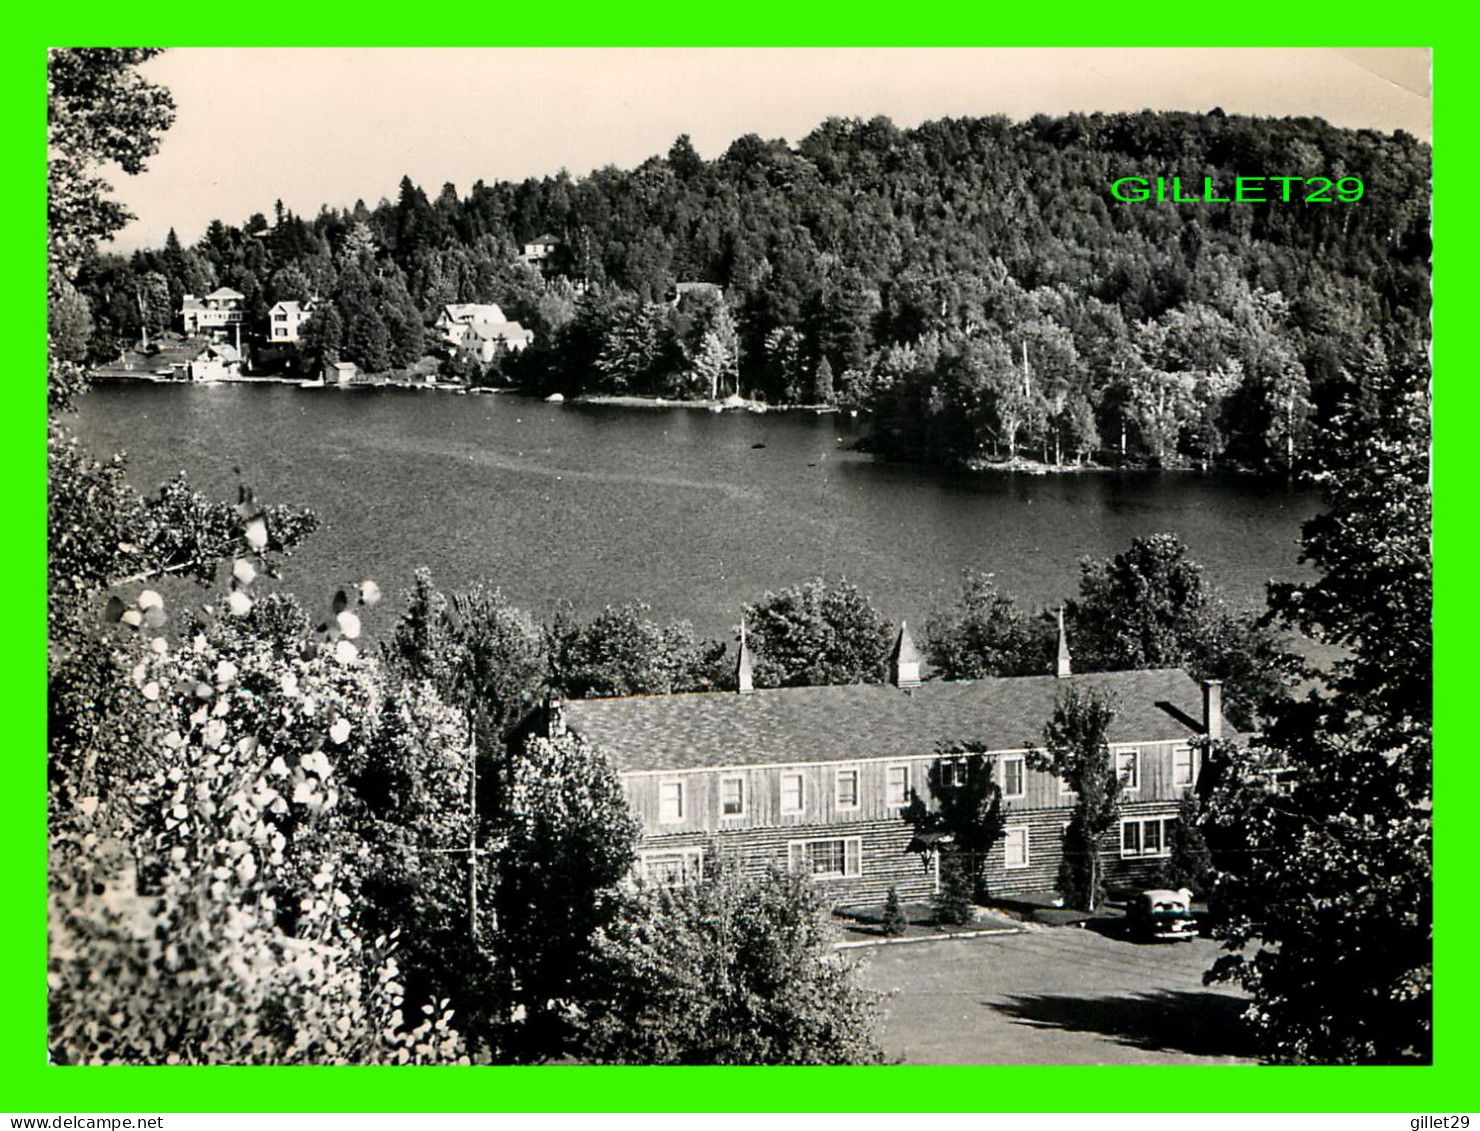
(897, 785)
(676, 866)
(670, 801)
(847, 794)
(732, 797)
(1184, 766)
(1015, 847)
(827, 859)
(1130, 838)
(1128, 766)
(952, 773)
(1013, 777)
(1146, 837)
(792, 794)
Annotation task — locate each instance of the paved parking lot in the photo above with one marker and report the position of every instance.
(1056, 995)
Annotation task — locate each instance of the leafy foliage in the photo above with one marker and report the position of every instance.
(729, 970)
(895, 920)
(983, 633)
(477, 649)
(815, 634)
(567, 838)
(968, 818)
(1327, 910)
(1189, 860)
(201, 908)
(954, 899)
(1150, 607)
(621, 652)
(1076, 751)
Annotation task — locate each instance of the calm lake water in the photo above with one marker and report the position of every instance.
(690, 511)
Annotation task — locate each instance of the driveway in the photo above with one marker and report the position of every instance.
(1056, 995)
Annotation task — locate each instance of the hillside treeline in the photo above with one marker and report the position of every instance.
(971, 283)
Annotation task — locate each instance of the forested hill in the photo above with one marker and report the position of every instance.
(971, 282)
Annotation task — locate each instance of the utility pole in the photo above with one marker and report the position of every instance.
(472, 851)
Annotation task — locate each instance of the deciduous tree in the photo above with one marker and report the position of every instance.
(816, 634)
(1327, 911)
(729, 970)
(1077, 752)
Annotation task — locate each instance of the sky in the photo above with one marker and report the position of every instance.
(312, 127)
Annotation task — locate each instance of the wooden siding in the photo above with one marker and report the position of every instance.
(701, 791)
(884, 859)
(1045, 850)
(763, 796)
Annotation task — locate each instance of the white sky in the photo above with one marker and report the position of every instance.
(313, 127)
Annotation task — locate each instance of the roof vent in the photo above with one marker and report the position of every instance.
(744, 677)
(904, 660)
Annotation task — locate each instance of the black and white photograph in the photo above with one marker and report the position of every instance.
(739, 556)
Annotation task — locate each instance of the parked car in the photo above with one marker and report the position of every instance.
(1162, 914)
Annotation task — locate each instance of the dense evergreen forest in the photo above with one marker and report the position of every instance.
(971, 283)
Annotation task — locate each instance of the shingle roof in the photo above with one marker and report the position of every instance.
(493, 331)
(824, 724)
(465, 312)
(904, 651)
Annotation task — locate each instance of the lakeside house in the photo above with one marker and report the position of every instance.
(216, 314)
(481, 329)
(285, 321)
(218, 360)
(817, 779)
(537, 250)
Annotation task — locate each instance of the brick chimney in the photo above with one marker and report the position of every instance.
(1062, 668)
(1212, 690)
(744, 679)
(904, 660)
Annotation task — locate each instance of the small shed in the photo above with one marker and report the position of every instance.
(340, 372)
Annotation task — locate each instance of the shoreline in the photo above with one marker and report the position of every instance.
(1018, 465)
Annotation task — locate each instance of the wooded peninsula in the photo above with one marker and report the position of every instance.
(972, 283)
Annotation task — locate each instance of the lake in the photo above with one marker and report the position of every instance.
(693, 512)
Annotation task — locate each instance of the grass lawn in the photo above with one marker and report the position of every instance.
(1056, 995)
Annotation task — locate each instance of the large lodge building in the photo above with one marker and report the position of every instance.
(816, 779)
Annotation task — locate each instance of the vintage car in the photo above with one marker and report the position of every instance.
(1162, 914)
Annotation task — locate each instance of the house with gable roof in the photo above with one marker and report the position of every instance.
(539, 248)
(217, 361)
(481, 329)
(217, 313)
(816, 779)
(285, 321)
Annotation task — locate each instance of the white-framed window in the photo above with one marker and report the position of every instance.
(1014, 776)
(1184, 766)
(1147, 836)
(897, 785)
(670, 801)
(1015, 847)
(832, 859)
(732, 797)
(672, 866)
(952, 773)
(793, 793)
(847, 788)
(1128, 768)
